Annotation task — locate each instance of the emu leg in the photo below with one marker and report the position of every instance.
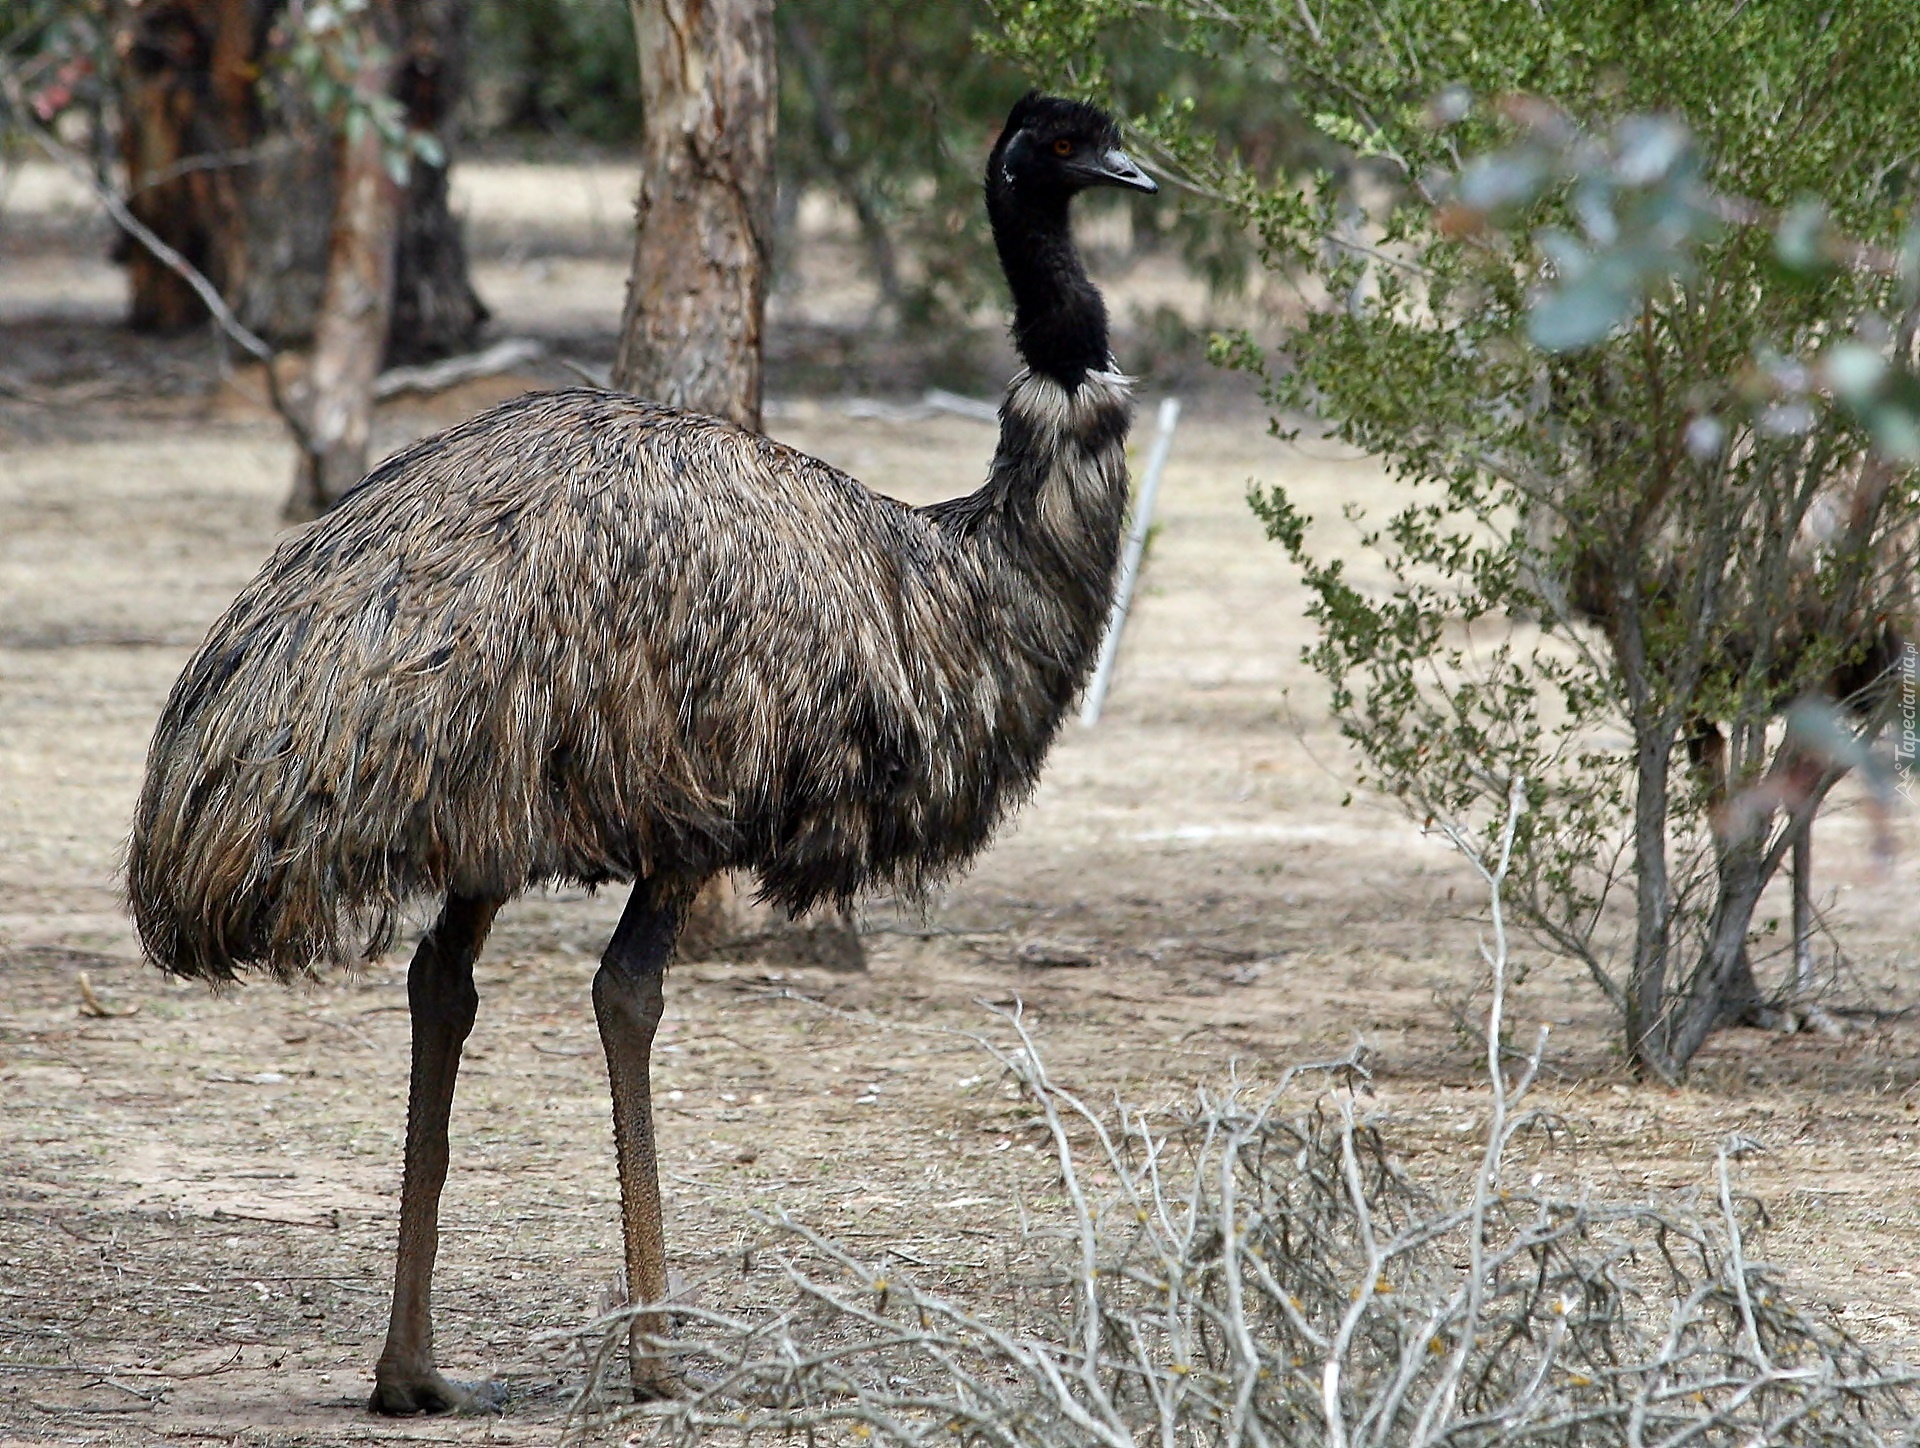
(627, 1002)
(442, 1001)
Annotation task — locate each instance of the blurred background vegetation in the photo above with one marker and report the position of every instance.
(888, 105)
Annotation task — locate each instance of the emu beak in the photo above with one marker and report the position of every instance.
(1117, 168)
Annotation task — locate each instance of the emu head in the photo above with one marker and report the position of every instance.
(1052, 149)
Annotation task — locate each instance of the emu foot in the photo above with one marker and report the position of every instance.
(395, 1396)
(653, 1377)
(656, 1383)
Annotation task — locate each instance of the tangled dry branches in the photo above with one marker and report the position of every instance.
(1260, 1279)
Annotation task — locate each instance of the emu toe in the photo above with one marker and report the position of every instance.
(416, 1396)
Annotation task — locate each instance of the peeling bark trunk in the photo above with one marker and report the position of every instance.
(281, 236)
(186, 96)
(357, 304)
(436, 312)
(696, 299)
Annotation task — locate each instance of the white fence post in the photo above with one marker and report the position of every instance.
(1130, 560)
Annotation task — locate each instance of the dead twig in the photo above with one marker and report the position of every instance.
(502, 356)
(96, 1371)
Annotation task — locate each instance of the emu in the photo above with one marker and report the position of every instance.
(583, 637)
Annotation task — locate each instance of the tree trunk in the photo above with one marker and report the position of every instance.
(186, 96)
(357, 303)
(1723, 989)
(436, 311)
(243, 186)
(696, 299)
(1653, 924)
(286, 224)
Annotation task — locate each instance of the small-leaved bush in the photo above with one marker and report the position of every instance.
(1595, 336)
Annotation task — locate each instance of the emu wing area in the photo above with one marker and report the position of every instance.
(578, 637)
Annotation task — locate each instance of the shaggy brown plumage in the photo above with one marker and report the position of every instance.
(583, 637)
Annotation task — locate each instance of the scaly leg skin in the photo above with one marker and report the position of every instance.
(627, 1002)
(441, 1000)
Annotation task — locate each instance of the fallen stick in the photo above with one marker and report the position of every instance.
(437, 376)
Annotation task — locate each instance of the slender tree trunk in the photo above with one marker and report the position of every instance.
(357, 303)
(1668, 1020)
(1723, 986)
(1653, 923)
(696, 299)
(1804, 984)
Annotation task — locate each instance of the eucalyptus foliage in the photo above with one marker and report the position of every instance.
(333, 52)
(1593, 352)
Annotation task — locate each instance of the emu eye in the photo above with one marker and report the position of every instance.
(1063, 147)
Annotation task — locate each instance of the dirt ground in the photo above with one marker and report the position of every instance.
(197, 1192)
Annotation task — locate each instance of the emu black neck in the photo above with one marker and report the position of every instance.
(1059, 320)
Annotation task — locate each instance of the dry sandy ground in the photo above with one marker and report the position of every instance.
(197, 1192)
